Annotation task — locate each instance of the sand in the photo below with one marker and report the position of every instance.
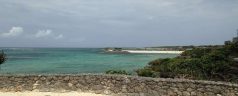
(146, 51)
(48, 94)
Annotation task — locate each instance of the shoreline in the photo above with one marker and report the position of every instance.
(152, 52)
(143, 51)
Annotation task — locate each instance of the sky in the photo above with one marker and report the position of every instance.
(116, 23)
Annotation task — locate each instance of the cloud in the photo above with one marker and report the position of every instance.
(59, 36)
(14, 31)
(107, 21)
(48, 33)
(43, 33)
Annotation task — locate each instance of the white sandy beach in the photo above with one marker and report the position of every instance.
(150, 52)
(30, 93)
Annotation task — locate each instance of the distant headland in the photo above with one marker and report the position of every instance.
(156, 50)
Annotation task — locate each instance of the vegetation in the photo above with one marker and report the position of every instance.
(210, 63)
(123, 72)
(2, 58)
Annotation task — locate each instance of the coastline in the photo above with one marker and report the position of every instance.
(134, 51)
(152, 52)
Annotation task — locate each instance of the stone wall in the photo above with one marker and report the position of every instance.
(116, 85)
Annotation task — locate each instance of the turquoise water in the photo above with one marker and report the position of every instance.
(72, 60)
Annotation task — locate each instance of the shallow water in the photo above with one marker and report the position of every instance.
(72, 60)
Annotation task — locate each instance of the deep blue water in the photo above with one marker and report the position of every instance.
(72, 60)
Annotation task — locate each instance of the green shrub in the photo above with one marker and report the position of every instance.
(117, 72)
(2, 58)
(197, 52)
(146, 72)
(213, 63)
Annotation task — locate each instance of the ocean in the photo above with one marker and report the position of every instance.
(72, 61)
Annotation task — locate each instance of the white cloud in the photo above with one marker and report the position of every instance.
(43, 33)
(48, 33)
(59, 36)
(15, 31)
